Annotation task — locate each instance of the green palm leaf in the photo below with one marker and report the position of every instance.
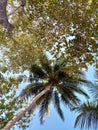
(88, 115)
(57, 105)
(94, 91)
(44, 106)
(45, 64)
(38, 71)
(68, 96)
(31, 90)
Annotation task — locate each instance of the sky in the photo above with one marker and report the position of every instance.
(53, 121)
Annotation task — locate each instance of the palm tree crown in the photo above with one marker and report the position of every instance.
(63, 87)
(88, 115)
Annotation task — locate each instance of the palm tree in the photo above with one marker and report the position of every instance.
(51, 83)
(88, 112)
(88, 115)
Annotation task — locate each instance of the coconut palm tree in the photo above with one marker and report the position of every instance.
(88, 115)
(88, 112)
(51, 83)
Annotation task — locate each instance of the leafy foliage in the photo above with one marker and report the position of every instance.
(65, 28)
(8, 99)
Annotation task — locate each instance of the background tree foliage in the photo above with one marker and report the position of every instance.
(8, 99)
(9, 102)
(64, 28)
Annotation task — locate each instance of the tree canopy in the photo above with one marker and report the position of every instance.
(64, 28)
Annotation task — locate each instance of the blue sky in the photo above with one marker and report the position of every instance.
(53, 121)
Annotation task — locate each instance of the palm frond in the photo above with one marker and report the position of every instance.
(56, 68)
(44, 106)
(57, 105)
(44, 61)
(75, 85)
(38, 71)
(31, 90)
(77, 89)
(76, 78)
(69, 103)
(94, 91)
(80, 78)
(85, 82)
(47, 68)
(68, 88)
(88, 116)
(68, 96)
(62, 75)
(96, 75)
(38, 102)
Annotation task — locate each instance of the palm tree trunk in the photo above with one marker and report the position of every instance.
(19, 115)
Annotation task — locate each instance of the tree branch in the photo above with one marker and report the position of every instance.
(3, 15)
